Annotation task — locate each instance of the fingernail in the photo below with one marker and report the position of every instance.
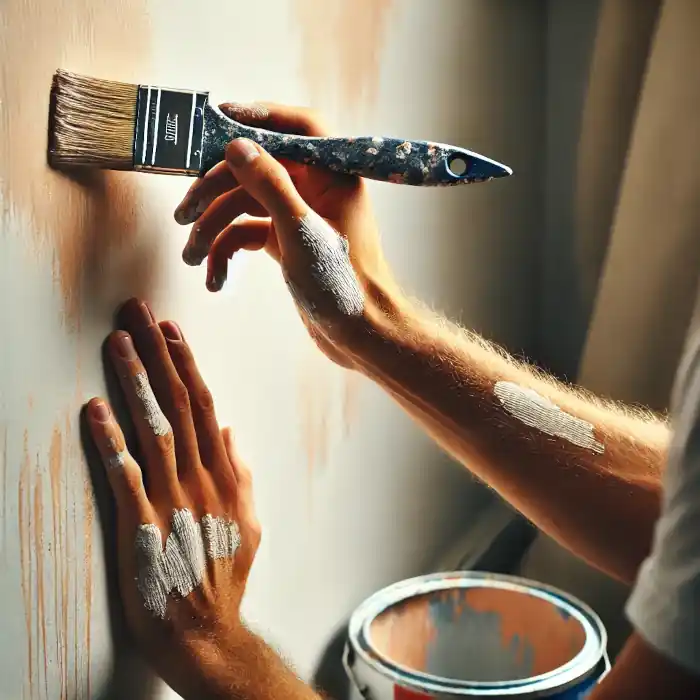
(192, 255)
(126, 348)
(215, 282)
(171, 330)
(186, 213)
(241, 152)
(99, 411)
(191, 208)
(147, 313)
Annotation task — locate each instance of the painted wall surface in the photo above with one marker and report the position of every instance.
(351, 495)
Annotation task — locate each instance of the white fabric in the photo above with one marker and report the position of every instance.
(665, 603)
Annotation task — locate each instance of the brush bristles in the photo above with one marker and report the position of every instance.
(92, 122)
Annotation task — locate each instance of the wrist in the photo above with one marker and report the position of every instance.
(385, 320)
(215, 663)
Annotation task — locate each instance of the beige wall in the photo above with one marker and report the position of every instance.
(352, 496)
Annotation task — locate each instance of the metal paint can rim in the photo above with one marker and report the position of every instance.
(577, 670)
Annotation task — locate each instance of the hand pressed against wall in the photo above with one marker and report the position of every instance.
(187, 537)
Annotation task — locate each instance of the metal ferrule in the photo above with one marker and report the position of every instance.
(169, 130)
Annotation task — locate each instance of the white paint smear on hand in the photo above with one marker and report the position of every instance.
(179, 566)
(332, 286)
(538, 412)
(118, 457)
(153, 414)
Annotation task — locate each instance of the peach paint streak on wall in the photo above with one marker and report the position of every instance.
(56, 568)
(25, 556)
(88, 518)
(324, 419)
(81, 219)
(316, 395)
(333, 57)
(39, 553)
(351, 399)
(59, 556)
(3, 485)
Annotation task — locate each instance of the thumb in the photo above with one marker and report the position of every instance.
(267, 181)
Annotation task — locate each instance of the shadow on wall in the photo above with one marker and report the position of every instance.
(129, 676)
(85, 220)
(102, 254)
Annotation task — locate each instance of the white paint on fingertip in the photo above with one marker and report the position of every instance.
(540, 413)
(179, 567)
(118, 457)
(117, 460)
(335, 289)
(153, 415)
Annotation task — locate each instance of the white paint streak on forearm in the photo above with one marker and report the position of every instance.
(540, 413)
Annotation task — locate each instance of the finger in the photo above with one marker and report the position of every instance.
(285, 119)
(136, 317)
(247, 516)
(222, 211)
(252, 234)
(270, 184)
(203, 192)
(276, 117)
(211, 447)
(152, 427)
(123, 472)
(220, 179)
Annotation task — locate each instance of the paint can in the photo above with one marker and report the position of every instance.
(475, 635)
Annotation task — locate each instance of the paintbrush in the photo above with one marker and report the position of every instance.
(121, 126)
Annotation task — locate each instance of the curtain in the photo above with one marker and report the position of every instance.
(622, 242)
(639, 238)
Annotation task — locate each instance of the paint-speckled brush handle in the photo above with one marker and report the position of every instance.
(378, 158)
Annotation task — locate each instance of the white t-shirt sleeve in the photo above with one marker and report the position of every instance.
(664, 606)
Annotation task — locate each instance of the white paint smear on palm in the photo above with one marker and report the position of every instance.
(153, 414)
(179, 566)
(334, 283)
(538, 412)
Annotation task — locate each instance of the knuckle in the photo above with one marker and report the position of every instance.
(132, 482)
(180, 398)
(195, 485)
(275, 176)
(165, 445)
(245, 476)
(254, 532)
(205, 401)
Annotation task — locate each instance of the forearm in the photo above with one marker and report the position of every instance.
(642, 673)
(241, 666)
(588, 474)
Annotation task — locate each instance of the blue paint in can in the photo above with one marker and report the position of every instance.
(476, 635)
